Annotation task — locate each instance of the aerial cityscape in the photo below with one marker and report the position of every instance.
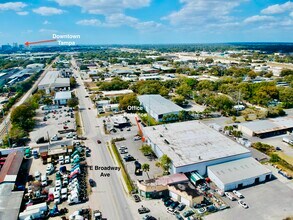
(146, 109)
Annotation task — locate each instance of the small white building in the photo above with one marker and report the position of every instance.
(238, 174)
(61, 98)
(157, 106)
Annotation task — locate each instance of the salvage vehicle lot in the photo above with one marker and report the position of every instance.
(56, 178)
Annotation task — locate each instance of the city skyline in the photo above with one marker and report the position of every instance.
(148, 21)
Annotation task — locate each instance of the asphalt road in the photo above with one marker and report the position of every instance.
(108, 196)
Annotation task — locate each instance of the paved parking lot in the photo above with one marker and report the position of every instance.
(269, 201)
(54, 123)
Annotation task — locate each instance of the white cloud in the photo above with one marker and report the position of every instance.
(203, 12)
(15, 6)
(291, 14)
(22, 13)
(105, 7)
(118, 20)
(43, 30)
(46, 22)
(259, 18)
(89, 22)
(278, 8)
(47, 11)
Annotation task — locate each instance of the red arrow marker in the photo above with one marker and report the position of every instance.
(38, 42)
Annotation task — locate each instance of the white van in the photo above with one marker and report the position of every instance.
(61, 159)
(37, 175)
(44, 180)
(50, 169)
(69, 135)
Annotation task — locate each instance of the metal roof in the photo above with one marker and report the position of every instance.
(11, 167)
(158, 104)
(62, 95)
(10, 201)
(49, 78)
(264, 126)
(192, 142)
(238, 170)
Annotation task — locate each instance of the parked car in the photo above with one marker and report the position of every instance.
(278, 148)
(44, 180)
(168, 203)
(92, 182)
(37, 175)
(174, 205)
(180, 207)
(148, 217)
(128, 158)
(123, 151)
(220, 192)
(143, 210)
(242, 203)
(122, 148)
(230, 196)
(188, 213)
(171, 211)
(238, 194)
(136, 198)
(137, 138)
(178, 216)
(50, 169)
(98, 141)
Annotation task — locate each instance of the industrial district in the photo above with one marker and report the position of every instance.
(146, 132)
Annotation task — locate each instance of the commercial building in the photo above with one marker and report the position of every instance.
(156, 188)
(61, 98)
(238, 174)
(116, 93)
(267, 128)
(158, 107)
(10, 200)
(185, 193)
(192, 146)
(53, 82)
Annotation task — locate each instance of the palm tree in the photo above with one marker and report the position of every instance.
(146, 168)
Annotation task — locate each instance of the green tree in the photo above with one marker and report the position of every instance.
(165, 163)
(146, 168)
(22, 117)
(73, 102)
(146, 149)
(179, 100)
(72, 82)
(184, 90)
(48, 101)
(129, 100)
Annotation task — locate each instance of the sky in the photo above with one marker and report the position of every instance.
(147, 21)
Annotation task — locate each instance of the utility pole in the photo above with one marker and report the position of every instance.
(6, 129)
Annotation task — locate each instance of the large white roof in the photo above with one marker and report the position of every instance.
(238, 170)
(192, 142)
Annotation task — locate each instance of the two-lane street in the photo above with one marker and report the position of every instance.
(108, 195)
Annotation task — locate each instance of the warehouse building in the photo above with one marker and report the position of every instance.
(61, 98)
(53, 82)
(238, 174)
(192, 146)
(158, 107)
(267, 128)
